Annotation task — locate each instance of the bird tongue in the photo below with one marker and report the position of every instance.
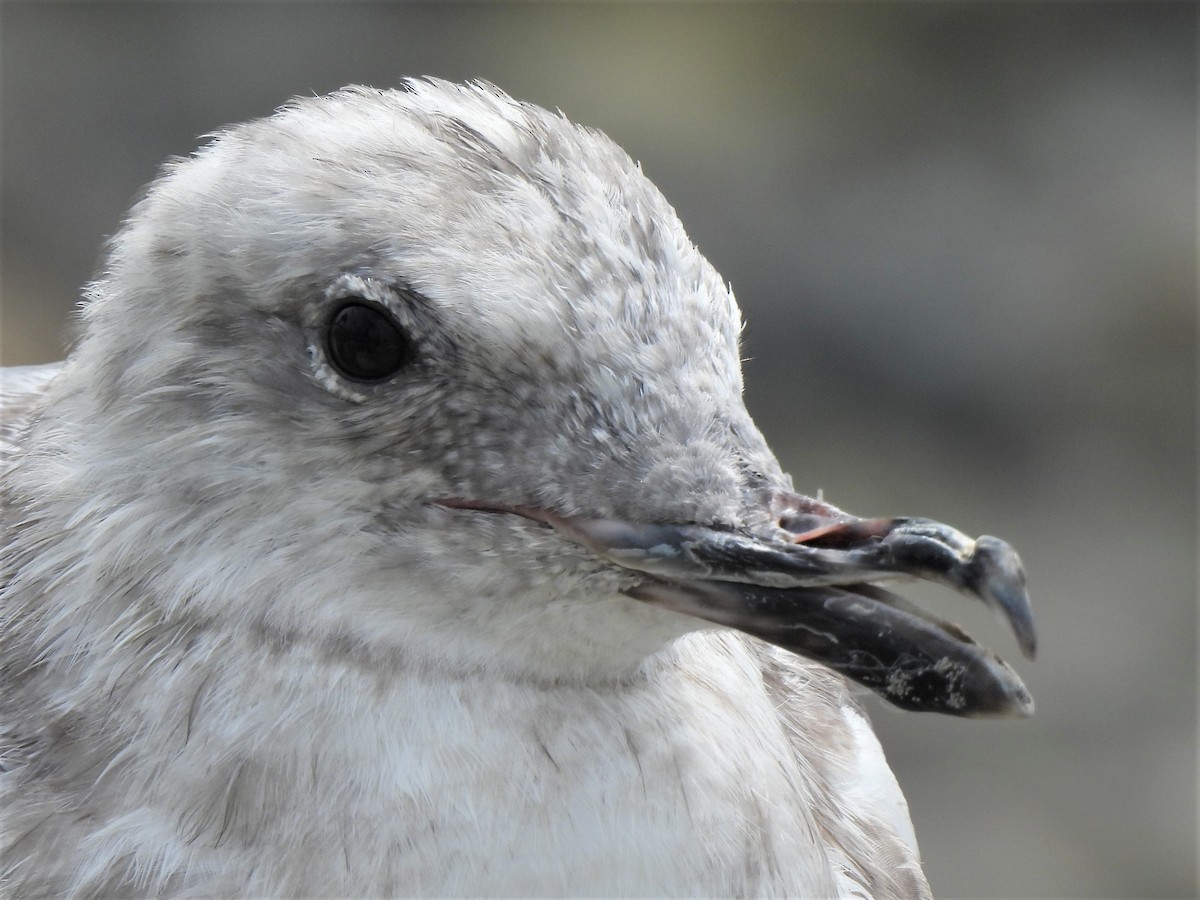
(805, 587)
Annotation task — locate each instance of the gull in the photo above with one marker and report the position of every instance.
(396, 527)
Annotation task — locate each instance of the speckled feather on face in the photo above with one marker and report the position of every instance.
(245, 652)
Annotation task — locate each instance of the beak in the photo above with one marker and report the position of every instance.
(806, 584)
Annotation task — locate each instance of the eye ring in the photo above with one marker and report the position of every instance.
(364, 342)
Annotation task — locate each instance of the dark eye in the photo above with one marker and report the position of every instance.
(365, 343)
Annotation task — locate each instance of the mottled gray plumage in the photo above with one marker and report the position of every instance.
(256, 643)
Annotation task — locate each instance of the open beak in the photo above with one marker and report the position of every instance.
(806, 584)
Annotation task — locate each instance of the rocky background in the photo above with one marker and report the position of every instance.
(964, 237)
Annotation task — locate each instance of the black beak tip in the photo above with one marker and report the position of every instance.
(1015, 703)
(1007, 697)
(999, 577)
(981, 686)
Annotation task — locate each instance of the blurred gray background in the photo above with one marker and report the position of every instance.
(964, 237)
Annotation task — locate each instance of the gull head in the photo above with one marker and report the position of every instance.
(434, 375)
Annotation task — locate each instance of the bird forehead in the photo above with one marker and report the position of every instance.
(521, 227)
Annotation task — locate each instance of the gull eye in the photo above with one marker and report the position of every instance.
(364, 342)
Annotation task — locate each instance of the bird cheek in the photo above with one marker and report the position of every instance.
(698, 483)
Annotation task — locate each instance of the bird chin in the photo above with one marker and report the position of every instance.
(503, 598)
